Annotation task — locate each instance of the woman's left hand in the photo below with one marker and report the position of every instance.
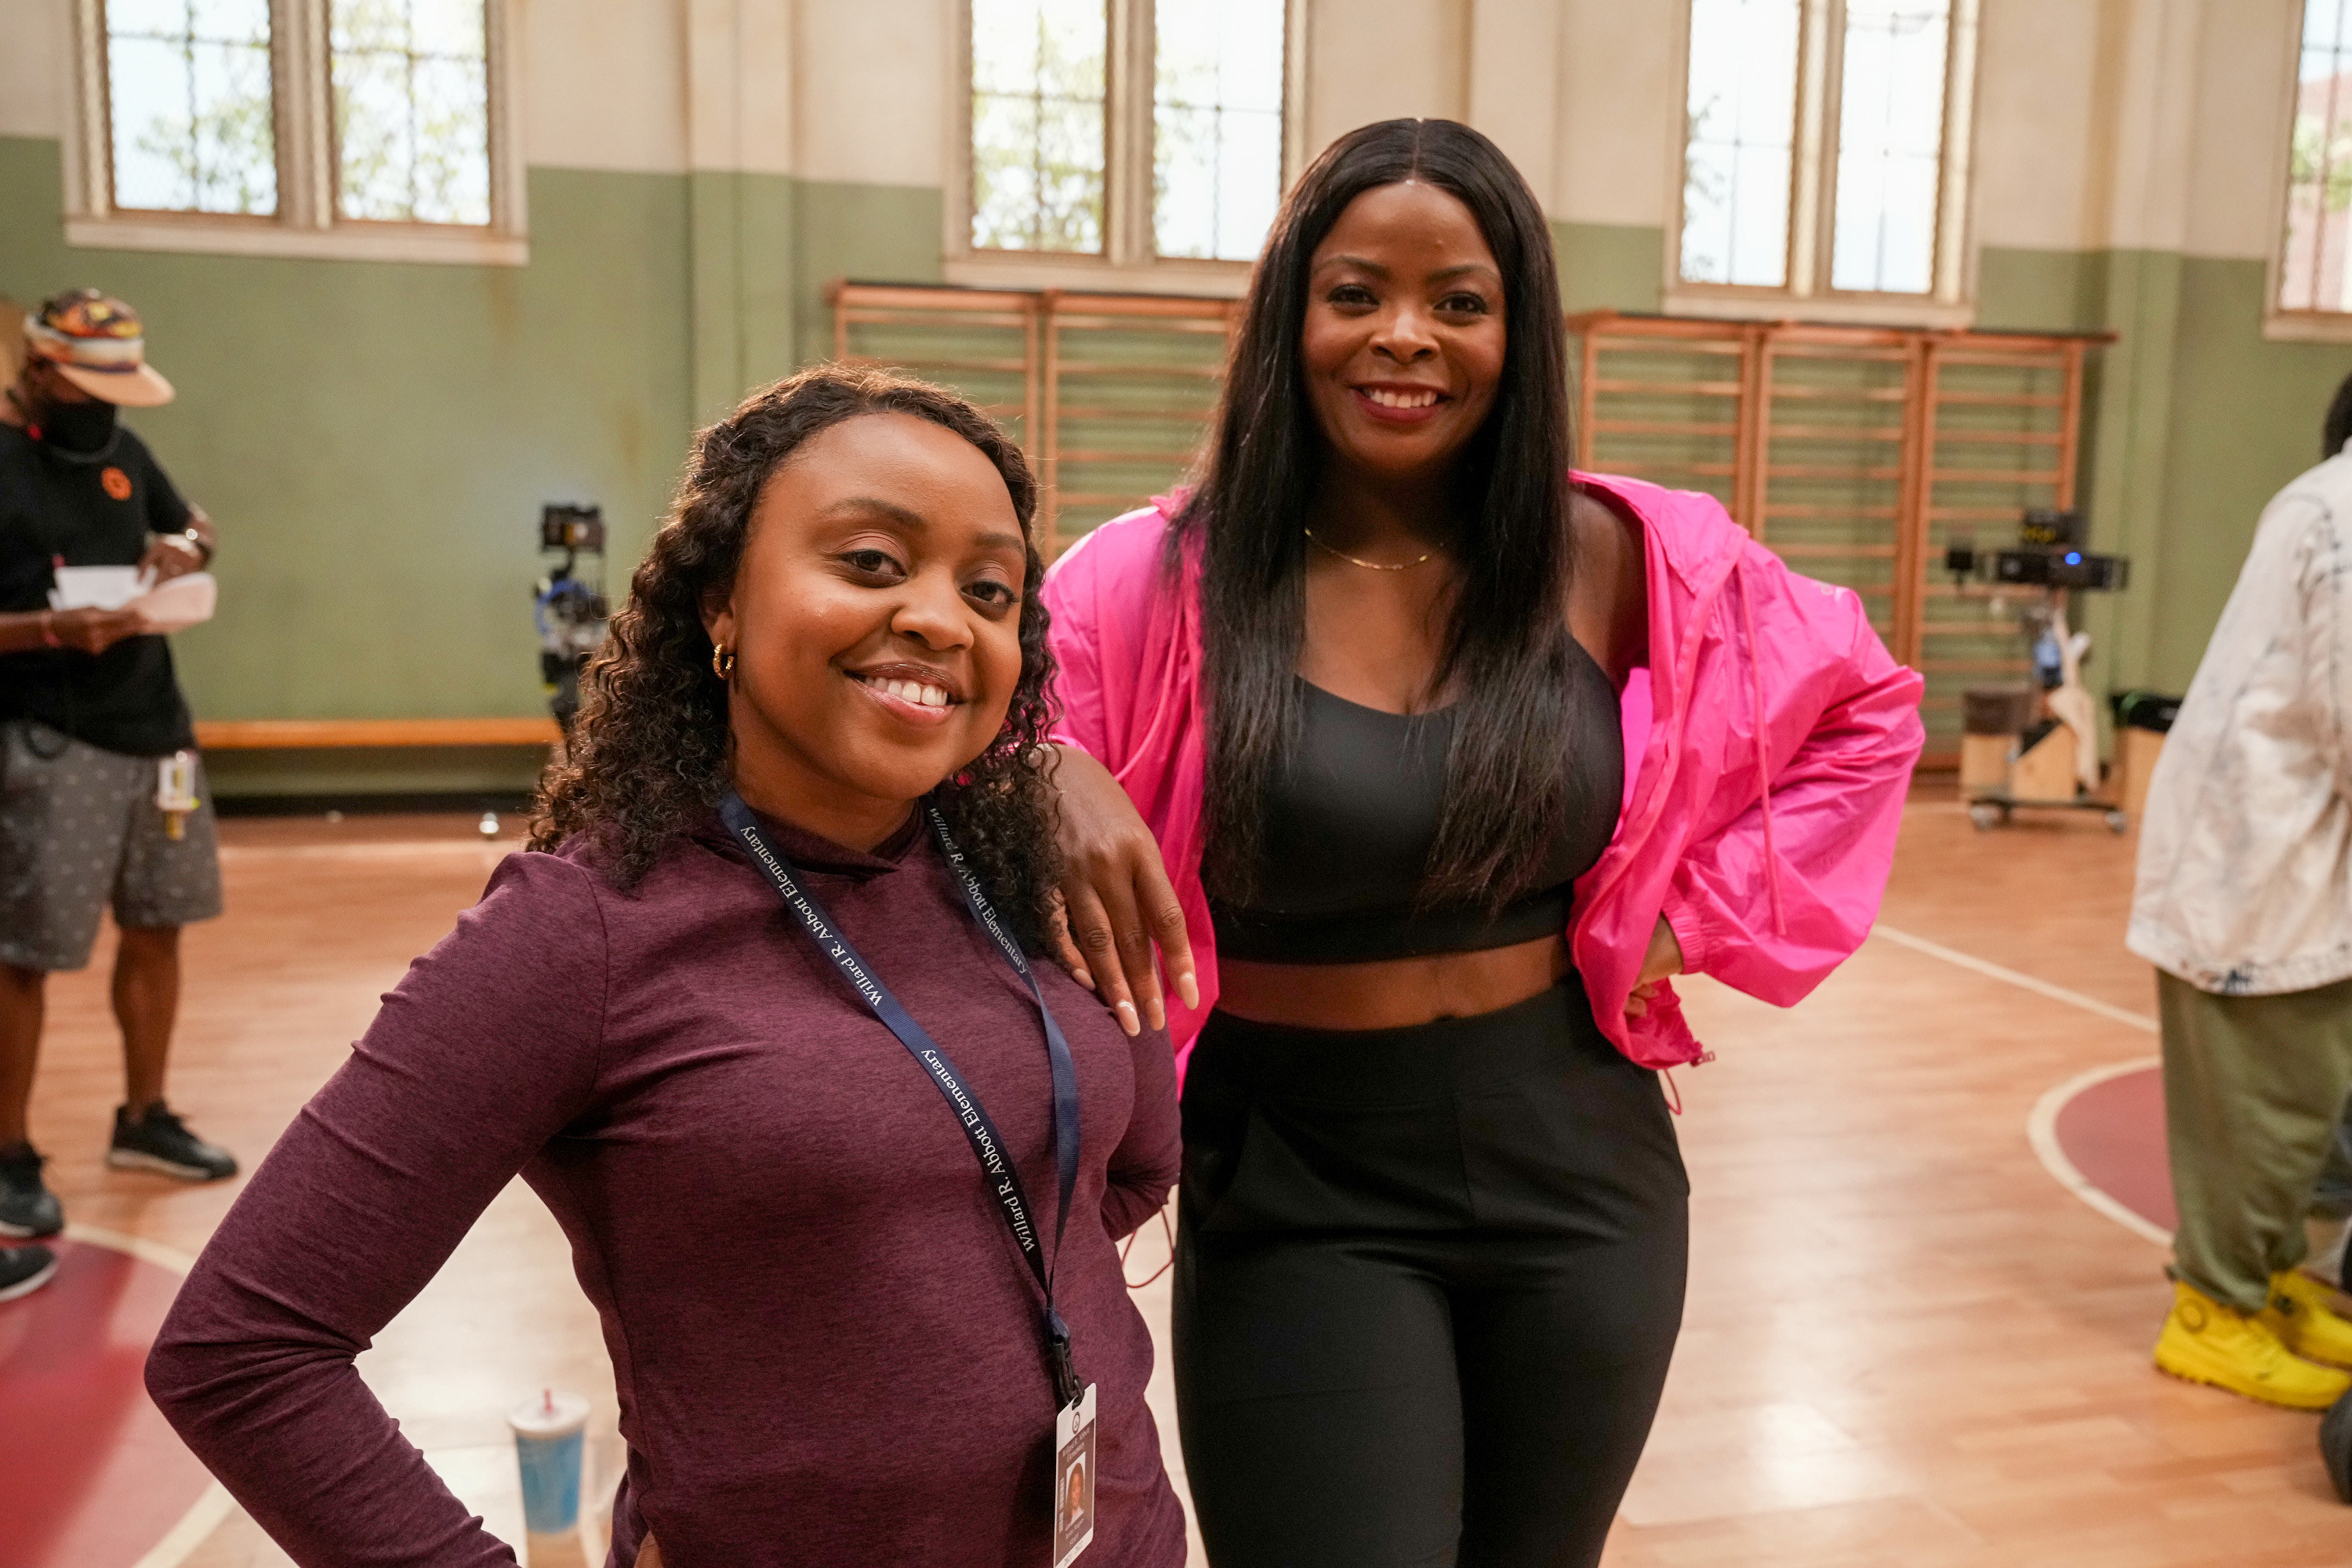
(170, 555)
(1664, 957)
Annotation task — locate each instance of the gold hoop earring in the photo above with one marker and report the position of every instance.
(722, 663)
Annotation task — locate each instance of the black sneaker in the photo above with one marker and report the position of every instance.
(25, 1270)
(155, 1140)
(27, 1207)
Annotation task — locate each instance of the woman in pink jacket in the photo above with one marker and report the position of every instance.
(1423, 767)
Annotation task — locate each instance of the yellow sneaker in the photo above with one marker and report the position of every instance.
(2302, 1315)
(2204, 1342)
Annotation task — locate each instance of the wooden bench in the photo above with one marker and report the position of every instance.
(308, 734)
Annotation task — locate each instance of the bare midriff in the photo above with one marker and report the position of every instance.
(1390, 992)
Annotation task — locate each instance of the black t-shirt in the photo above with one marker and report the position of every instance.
(87, 510)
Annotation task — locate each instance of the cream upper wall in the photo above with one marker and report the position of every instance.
(32, 75)
(1615, 160)
(877, 93)
(2244, 102)
(2154, 123)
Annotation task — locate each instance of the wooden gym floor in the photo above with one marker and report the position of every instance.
(1907, 1344)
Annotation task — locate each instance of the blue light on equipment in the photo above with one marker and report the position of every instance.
(2073, 558)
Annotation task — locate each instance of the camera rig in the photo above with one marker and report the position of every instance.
(569, 605)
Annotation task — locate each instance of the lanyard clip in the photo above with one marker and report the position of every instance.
(1066, 1387)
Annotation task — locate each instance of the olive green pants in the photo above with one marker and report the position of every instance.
(2253, 1089)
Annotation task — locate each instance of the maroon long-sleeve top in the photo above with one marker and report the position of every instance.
(826, 1344)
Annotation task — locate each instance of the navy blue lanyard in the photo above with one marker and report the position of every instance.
(996, 1162)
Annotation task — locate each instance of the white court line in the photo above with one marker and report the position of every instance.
(2042, 1132)
(210, 1508)
(2107, 1010)
(2042, 1124)
(196, 1527)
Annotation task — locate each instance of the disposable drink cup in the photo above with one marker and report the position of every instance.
(546, 1446)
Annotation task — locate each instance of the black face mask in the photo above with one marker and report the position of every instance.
(77, 427)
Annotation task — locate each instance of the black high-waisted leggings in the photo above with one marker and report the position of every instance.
(1427, 1284)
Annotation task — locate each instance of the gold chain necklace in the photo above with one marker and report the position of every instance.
(1374, 565)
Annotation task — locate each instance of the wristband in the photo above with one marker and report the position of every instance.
(189, 538)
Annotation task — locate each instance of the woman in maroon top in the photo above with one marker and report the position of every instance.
(826, 1341)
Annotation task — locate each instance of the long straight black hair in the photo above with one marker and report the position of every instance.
(1507, 651)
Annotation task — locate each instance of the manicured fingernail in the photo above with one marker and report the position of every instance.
(1190, 989)
(1127, 1017)
(1159, 1014)
(1083, 978)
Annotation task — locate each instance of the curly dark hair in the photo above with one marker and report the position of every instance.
(650, 752)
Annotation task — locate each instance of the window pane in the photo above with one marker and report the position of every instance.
(412, 109)
(2312, 271)
(1741, 124)
(1890, 145)
(188, 92)
(1216, 126)
(1037, 127)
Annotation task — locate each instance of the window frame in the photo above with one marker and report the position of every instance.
(2280, 324)
(1950, 301)
(307, 223)
(1128, 260)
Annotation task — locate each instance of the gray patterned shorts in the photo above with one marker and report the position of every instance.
(79, 828)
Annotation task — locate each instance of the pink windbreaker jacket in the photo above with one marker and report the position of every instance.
(1774, 750)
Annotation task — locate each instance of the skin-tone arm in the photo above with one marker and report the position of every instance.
(170, 555)
(1116, 894)
(90, 631)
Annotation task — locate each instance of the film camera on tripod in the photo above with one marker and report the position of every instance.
(2037, 745)
(569, 607)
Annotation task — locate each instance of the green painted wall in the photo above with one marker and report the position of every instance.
(1611, 267)
(2193, 422)
(375, 439)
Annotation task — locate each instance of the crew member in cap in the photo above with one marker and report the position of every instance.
(89, 714)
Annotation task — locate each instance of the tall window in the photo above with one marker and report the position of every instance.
(358, 127)
(1826, 149)
(190, 126)
(1039, 147)
(2312, 274)
(412, 109)
(1216, 127)
(1126, 130)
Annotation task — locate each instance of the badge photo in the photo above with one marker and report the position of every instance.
(1074, 1478)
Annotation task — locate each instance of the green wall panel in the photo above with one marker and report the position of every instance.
(871, 233)
(375, 439)
(1609, 266)
(2244, 417)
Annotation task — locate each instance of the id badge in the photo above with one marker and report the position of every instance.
(1074, 1478)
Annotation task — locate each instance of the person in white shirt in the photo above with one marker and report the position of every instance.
(2245, 905)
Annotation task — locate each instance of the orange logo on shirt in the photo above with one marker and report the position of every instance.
(117, 483)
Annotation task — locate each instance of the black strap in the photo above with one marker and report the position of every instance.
(1003, 1176)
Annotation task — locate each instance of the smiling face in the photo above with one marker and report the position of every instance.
(1402, 344)
(874, 621)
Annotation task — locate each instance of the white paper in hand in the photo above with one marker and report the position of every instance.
(184, 602)
(95, 587)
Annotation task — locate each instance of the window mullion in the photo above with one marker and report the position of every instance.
(1817, 149)
(1956, 174)
(297, 61)
(1825, 63)
(1127, 171)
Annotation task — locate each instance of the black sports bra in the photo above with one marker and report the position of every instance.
(1349, 819)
